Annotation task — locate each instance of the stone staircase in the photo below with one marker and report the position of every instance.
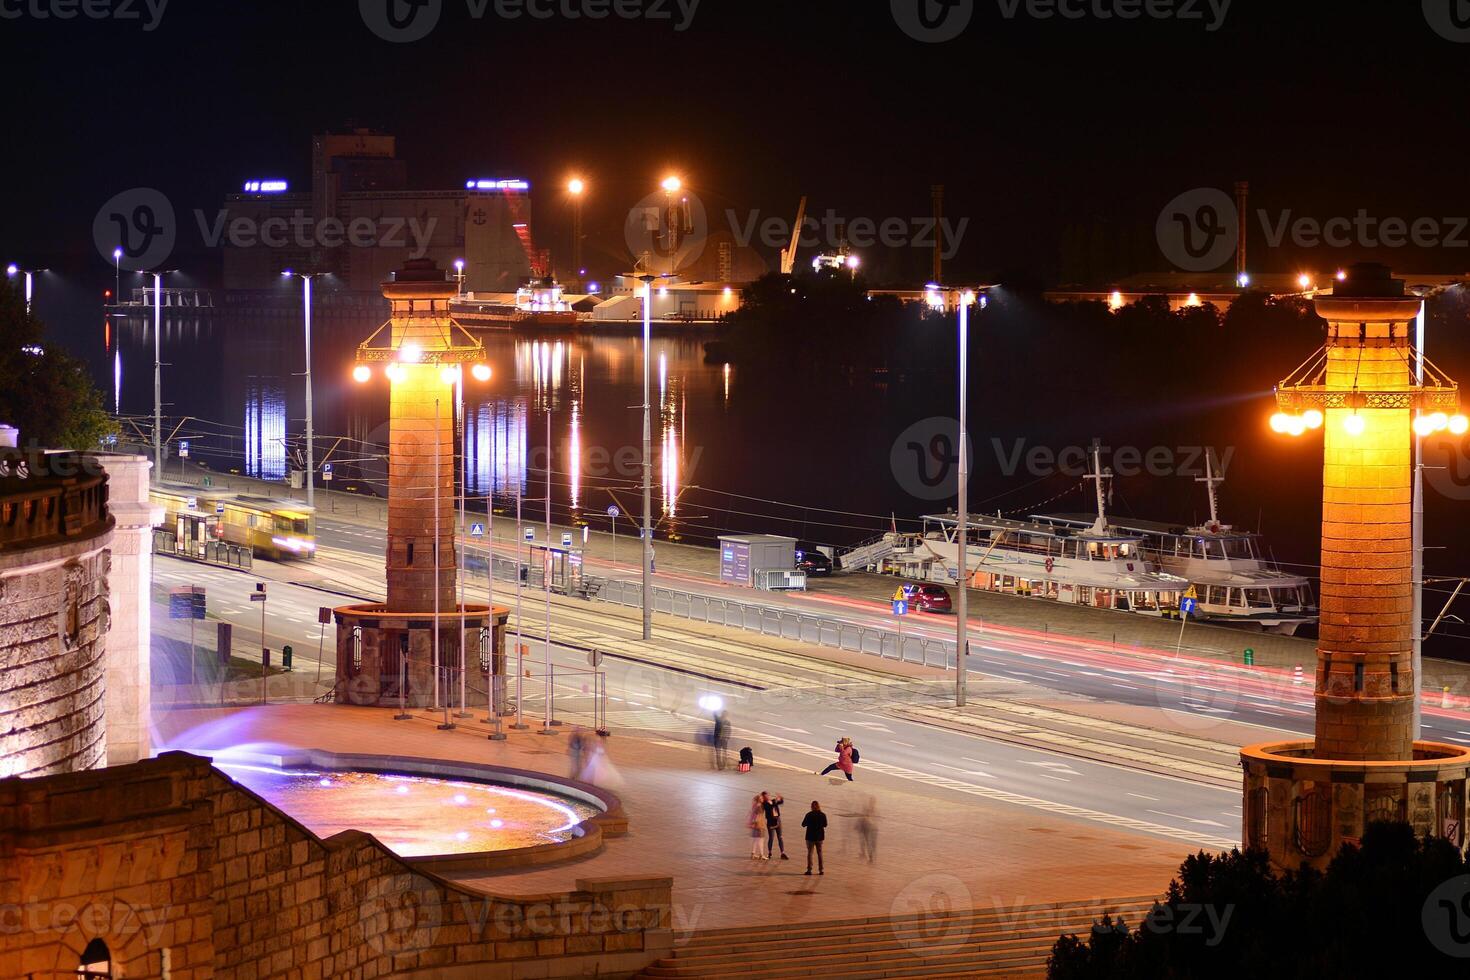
(996, 942)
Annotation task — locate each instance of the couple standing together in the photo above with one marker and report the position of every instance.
(765, 815)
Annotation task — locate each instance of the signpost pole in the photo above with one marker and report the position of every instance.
(1186, 607)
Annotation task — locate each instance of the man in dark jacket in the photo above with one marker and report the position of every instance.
(815, 823)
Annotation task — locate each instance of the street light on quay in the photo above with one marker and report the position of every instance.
(117, 255)
(576, 187)
(157, 369)
(459, 276)
(310, 431)
(13, 270)
(962, 609)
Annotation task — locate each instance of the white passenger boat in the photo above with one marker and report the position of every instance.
(1088, 566)
(1235, 583)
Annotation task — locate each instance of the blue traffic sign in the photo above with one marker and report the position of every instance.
(900, 607)
(1187, 605)
(477, 530)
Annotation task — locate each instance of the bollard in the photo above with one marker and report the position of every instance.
(1250, 657)
(1444, 697)
(1296, 675)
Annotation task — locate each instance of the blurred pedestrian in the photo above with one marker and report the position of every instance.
(756, 823)
(720, 737)
(576, 752)
(844, 752)
(867, 828)
(772, 806)
(815, 823)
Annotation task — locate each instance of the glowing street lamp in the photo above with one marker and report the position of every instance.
(459, 276)
(671, 184)
(117, 255)
(14, 270)
(576, 187)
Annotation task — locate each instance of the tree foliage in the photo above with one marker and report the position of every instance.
(1228, 916)
(45, 392)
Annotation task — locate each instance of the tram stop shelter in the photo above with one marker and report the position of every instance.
(562, 563)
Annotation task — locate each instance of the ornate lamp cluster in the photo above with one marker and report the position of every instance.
(1304, 397)
(450, 357)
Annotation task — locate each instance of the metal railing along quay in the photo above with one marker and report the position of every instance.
(755, 617)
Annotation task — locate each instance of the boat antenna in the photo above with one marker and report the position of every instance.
(1211, 481)
(1098, 475)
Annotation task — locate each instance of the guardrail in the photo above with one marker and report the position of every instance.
(220, 553)
(788, 624)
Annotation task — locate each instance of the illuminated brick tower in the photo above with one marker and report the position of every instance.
(1305, 799)
(409, 646)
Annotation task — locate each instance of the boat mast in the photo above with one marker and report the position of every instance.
(1101, 525)
(1211, 481)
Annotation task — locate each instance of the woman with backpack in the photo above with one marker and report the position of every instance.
(846, 756)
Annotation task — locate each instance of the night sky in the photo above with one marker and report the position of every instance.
(1035, 126)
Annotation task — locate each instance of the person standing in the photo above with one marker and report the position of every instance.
(756, 823)
(844, 759)
(772, 806)
(815, 823)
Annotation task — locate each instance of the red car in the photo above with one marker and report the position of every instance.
(928, 597)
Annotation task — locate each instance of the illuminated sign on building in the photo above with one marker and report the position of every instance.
(497, 185)
(265, 186)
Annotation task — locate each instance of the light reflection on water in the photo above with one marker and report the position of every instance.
(415, 815)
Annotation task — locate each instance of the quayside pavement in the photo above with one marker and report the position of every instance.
(688, 821)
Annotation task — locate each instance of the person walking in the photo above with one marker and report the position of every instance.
(772, 806)
(576, 751)
(756, 823)
(867, 828)
(815, 823)
(844, 752)
(720, 737)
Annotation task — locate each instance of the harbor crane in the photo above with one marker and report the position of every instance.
(788, 254)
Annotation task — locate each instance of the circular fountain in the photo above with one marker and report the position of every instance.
(442, 815)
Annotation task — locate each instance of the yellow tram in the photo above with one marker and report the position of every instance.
(268, 527)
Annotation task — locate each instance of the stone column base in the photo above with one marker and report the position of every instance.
(1302, 810)
(387, 657)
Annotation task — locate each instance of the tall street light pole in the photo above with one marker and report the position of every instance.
(647, 463)
(310, 415)
(575, 187)
(117, 255)
(962, 609)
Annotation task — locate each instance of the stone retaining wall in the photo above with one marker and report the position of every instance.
(54, 617)
(183, 872)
